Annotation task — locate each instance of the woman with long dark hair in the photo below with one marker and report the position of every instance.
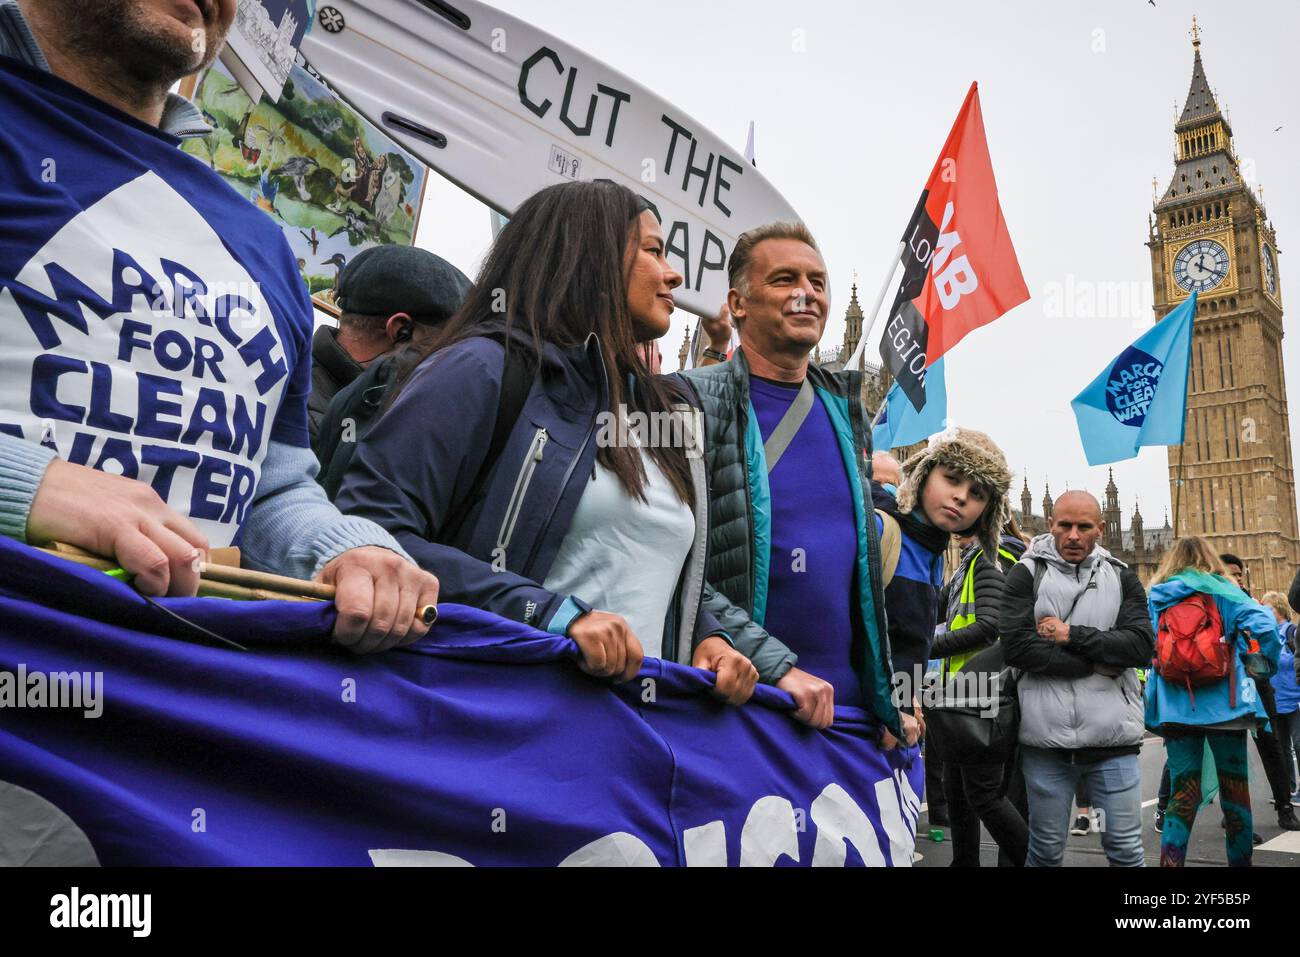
(516, 462)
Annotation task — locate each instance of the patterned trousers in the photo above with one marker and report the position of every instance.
(1185, 752)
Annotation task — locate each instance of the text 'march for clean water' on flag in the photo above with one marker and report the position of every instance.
(1140, 398)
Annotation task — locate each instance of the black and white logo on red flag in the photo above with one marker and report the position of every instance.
(960, 270)
(903, 346)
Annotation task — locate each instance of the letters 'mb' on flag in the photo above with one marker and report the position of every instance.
(959, 268)
(1140, 398)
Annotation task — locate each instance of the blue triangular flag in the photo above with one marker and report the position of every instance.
(902, 424)
(1140, 398)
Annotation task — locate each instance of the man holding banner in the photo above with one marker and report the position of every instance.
(787, 449)
(154, 330)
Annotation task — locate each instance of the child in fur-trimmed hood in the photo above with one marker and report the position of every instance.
(975, 455)
(958, 483)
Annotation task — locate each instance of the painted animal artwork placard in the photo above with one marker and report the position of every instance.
(334, 183)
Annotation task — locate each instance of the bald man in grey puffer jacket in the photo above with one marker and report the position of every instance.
(1075, 619)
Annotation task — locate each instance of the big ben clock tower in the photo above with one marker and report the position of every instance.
(1211, 234)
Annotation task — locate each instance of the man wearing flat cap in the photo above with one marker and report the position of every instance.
(391, 298)
(387, 295)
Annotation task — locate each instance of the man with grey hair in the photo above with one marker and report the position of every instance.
(1075, 620)
(794, 550)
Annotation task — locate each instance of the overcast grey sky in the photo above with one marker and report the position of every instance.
(1079, 106)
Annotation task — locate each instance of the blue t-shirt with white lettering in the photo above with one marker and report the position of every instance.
(814, 543)
(153, 322)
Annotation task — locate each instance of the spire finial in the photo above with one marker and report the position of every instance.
(1196, 33)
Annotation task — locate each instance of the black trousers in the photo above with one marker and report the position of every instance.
(1270, 749)
(976, 794)
(1013, 786)
(936, 798)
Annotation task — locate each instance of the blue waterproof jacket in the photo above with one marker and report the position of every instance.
(1243, 618)
(414, 472)
(1285, 686)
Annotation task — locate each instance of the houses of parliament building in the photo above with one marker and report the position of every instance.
(1232, 480)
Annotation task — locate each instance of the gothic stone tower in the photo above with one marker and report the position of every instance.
(852, 324)
(1210, 233)
(1113, 541)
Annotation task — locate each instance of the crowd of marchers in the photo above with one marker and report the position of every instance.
(445, 442)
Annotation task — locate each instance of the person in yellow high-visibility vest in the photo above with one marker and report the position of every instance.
(976, 792)
(967, 633)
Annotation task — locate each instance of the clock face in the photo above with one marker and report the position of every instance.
(1270, 271)
(1201, 265)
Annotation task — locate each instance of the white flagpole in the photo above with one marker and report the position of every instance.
(875, 310)
(880, 412)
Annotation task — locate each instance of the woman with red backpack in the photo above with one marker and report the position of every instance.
(1212, 640)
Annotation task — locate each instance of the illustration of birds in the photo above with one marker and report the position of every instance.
(297, 169)
(232, 89)
(390, 194)
(331, 125)
(344, 187)
(369, 173)
(264, 197)
(269, 139)
(354, 225)
(338, 261)
(250, 154)
(312, 239)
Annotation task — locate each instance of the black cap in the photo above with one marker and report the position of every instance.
(384, 280)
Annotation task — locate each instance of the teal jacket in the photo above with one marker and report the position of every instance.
(741, 519)
(1168, 703)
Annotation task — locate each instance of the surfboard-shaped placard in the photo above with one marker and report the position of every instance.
(504, 109)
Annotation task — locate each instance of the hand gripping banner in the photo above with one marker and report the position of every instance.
(483, 744)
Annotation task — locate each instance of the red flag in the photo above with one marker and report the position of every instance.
(960, 270)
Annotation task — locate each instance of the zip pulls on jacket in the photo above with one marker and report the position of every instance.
(522, 481)
(601, 397)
